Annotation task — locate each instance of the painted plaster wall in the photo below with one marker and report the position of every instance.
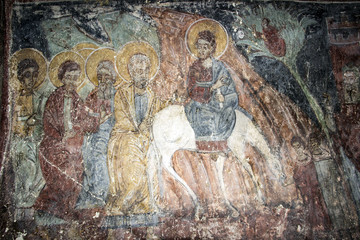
(181, 120)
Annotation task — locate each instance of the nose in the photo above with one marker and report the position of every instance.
(140, 71)
(29, 81)
(75, 77)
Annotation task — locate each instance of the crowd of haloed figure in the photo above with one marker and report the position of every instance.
(60, 141)
(77, 157)
(74, 158)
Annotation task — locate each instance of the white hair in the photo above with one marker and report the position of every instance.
(138, 57)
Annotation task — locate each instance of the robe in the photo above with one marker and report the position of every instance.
(24, 144)
(96, 177)
(61, 160)
(273, 41)
(127, 161)
(211, 120)
(306, 181)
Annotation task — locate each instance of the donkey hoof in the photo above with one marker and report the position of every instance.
(199, 211)
(234, 213)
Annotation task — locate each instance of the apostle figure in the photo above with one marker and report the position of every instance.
(211, 111)
(135, 107)
(30, 98)
(66, 120)
(101, 71)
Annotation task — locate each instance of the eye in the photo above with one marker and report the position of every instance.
(27, 74)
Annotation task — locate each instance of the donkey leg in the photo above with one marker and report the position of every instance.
(257, 140)
(198, 208)
(247, 167)
(220, 168)
(238, 148)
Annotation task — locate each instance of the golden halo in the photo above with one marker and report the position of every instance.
(83, 45)
(130, 49)
(85, 52)
(28, 53)
(61, 57)
(101, 54)
(221, 36)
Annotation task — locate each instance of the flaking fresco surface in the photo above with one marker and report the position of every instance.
(189, 120)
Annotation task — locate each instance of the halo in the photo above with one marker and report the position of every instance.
(61, 57)
(83, 45)
(85, 52)
(28, 53)
(85, 48)
(221, 36)
(130, 49)
(93, 61)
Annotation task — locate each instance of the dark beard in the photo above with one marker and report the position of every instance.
(141, 83)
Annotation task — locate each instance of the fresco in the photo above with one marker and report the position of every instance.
(182, 120)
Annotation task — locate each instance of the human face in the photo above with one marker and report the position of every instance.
(204, 49)
(139, 72)
(29, 77)
(299, 149)
(71, 79)
(315, 146)
(105, 78)
(264, 22)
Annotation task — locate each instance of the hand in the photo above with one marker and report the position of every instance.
(219, 97)
(31, 121)
(218, 84)
(89, 110)
(145, 126)
(148, 122)
(102, 111)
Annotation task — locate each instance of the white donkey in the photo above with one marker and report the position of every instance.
(172, 131)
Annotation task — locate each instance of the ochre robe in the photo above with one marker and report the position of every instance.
(127, 149)
(23, 111)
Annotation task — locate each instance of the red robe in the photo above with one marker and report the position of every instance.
(61, 161)
(198, 73)
(305, 178)
(273, 41)
(95, 103)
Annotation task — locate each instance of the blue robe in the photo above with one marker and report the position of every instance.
(210, 119)
(96, 177)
